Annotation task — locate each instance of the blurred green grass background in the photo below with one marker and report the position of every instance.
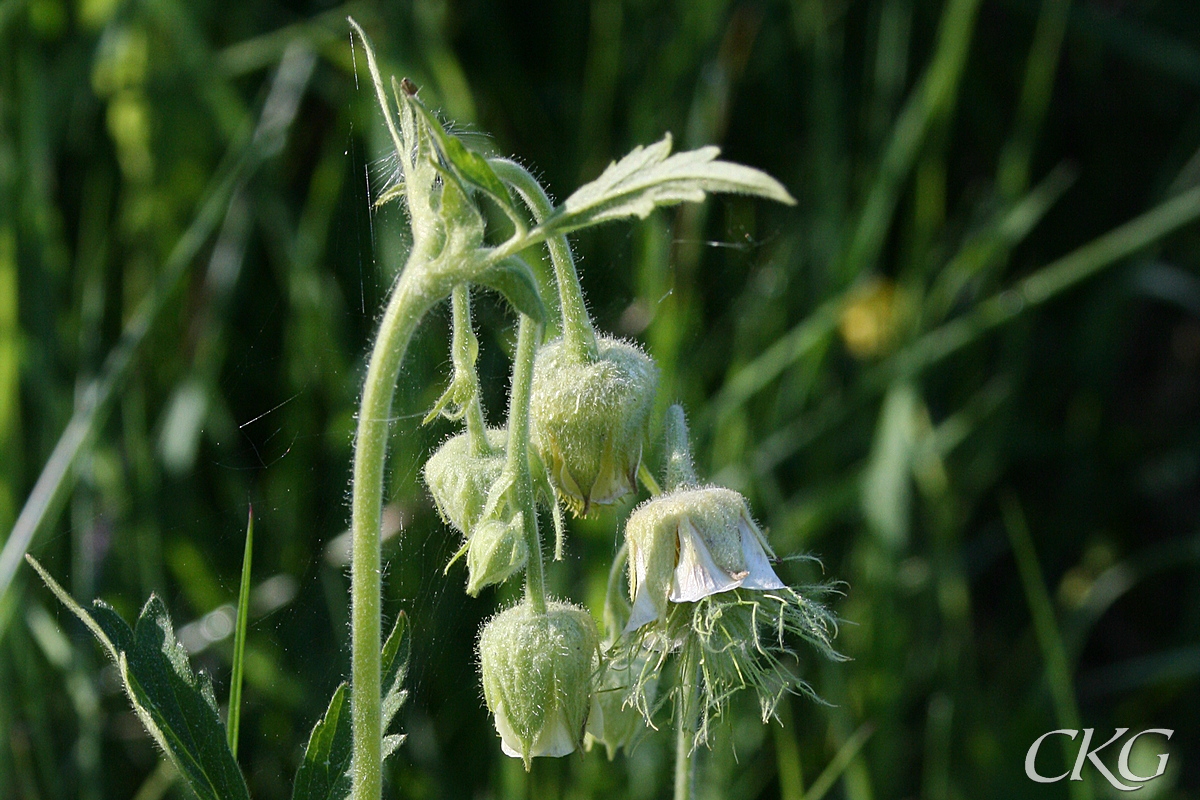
(964, 370)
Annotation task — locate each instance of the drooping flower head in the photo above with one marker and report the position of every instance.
(705, 595)
(589, 418)
(537, 677)
(459, 479)
(470, 490)
(615, 719)
(690, 544)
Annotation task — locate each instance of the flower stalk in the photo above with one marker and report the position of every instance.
(577, 329)
(685, 732)
(410, 299)
(464, 347)
(518, 459)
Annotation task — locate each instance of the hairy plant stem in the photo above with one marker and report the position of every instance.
(411, 298)
(463, 349)
(577, 329)
(685, 733)
(518, 459)
(680, 472)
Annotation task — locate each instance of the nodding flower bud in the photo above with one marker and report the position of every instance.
(537, 672)
(460, 479)
(497, 551)
(615, 719)
(589, 418)
(690, 544)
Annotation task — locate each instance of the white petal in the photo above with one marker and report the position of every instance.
(761, 576)
(554, 740)
(697, 575)
(509, 740)
(643, 610)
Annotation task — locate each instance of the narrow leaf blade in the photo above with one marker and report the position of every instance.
(239, 640)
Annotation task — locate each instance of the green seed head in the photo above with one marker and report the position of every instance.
(459, 479)
(497, 551)
(537, 674)
(589, 419)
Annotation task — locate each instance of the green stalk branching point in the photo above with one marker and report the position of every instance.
(577, 329)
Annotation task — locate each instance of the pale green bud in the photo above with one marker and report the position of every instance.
(615, 719)
(497, 551)
(589, 419)
(460, 480)
(537, 674)
(692, 543)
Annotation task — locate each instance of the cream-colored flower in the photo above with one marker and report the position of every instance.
(692, 543)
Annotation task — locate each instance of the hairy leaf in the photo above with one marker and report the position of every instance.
(325, 772)
(649, 177)
(468, 166)
(514, 279)
(176, 706)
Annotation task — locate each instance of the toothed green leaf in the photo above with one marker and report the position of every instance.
(177, 707)
(324, 774)
(649, 177)
(468, 165)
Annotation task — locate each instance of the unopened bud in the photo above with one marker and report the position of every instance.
(497, 551)
(537, 672)
(589, 419)
(615, 720)
(460, 480)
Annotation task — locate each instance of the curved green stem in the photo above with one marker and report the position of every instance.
(518, 459)
(680, 472)
(578, 332)
(616, 607)
(411, 298)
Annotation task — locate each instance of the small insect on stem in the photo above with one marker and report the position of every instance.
(409, 87)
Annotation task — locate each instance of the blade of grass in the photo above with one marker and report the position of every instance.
(1000, 308)
(233, 722)
(986, 252)
(10, 376)
(933, 95)
(57, 476)
(841, 761)
(1047, 283)
(158, 782)
(1045, 626)
(769, 365)
(787, 755)
(1012, 173)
